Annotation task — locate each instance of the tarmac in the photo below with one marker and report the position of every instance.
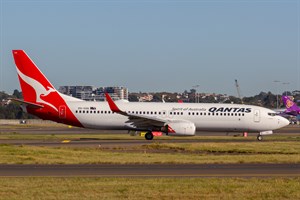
(153, 170)
(137, 170)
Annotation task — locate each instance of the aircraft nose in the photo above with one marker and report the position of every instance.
(282, 122)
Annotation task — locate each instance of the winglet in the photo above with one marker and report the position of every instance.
(112, 104)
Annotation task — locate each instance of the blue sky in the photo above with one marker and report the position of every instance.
(155, 45)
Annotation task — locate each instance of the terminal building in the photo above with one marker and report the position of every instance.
(91, 93)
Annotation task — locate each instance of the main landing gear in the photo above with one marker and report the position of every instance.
(149, 135)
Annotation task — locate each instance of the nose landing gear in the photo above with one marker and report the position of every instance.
(259, 137)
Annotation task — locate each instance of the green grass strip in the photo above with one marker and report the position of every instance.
(149, 188)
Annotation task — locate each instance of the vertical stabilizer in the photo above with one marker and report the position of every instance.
(38, 91)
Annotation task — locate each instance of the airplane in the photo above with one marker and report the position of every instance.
(291, 106)
(173, 119)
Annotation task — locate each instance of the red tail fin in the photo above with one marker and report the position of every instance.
(32, 80)
(38, 90)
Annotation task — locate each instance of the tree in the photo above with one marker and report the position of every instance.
(17, 94)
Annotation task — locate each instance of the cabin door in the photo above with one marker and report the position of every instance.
(256, 116)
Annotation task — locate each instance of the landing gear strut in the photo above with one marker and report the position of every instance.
(149, 135)
(259, 137)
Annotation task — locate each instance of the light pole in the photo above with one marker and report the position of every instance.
(196, 95)
(287, 83)
(276, 81)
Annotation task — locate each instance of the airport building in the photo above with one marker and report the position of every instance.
(91, 93)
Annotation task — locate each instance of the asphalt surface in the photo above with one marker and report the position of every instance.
(62, 129)
(293, 130)
(153, 170)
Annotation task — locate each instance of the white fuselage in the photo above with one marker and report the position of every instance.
(205, 116)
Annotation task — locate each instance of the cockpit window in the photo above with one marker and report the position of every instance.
(272, 114)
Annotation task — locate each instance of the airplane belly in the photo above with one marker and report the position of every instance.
(99, 122)
(222, 125)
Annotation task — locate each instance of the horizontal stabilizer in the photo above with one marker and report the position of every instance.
(27, 104)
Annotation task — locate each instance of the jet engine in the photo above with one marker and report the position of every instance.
(180, 129)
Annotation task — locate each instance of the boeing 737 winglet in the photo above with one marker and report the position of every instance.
(173, 119)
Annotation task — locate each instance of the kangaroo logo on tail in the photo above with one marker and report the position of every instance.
(40, 90)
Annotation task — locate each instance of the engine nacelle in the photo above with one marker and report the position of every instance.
(181, 129)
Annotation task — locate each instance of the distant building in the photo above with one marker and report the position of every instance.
(296, 92)
(91, 93)
(147, 97)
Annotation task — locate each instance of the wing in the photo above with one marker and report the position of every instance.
(137, 121)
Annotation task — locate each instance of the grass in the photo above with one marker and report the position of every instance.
(231, 148)
(276, 152)
(150, 188)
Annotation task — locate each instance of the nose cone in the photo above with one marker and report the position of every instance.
(282, 122)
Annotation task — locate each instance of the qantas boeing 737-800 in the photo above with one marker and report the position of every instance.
(174, 119)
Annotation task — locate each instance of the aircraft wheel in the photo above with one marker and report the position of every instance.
(149, 135)
(259, 137)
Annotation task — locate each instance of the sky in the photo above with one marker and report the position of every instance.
(153, 46)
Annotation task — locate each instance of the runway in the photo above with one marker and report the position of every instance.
(153, 170)
(65, 130)
(81, 141)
